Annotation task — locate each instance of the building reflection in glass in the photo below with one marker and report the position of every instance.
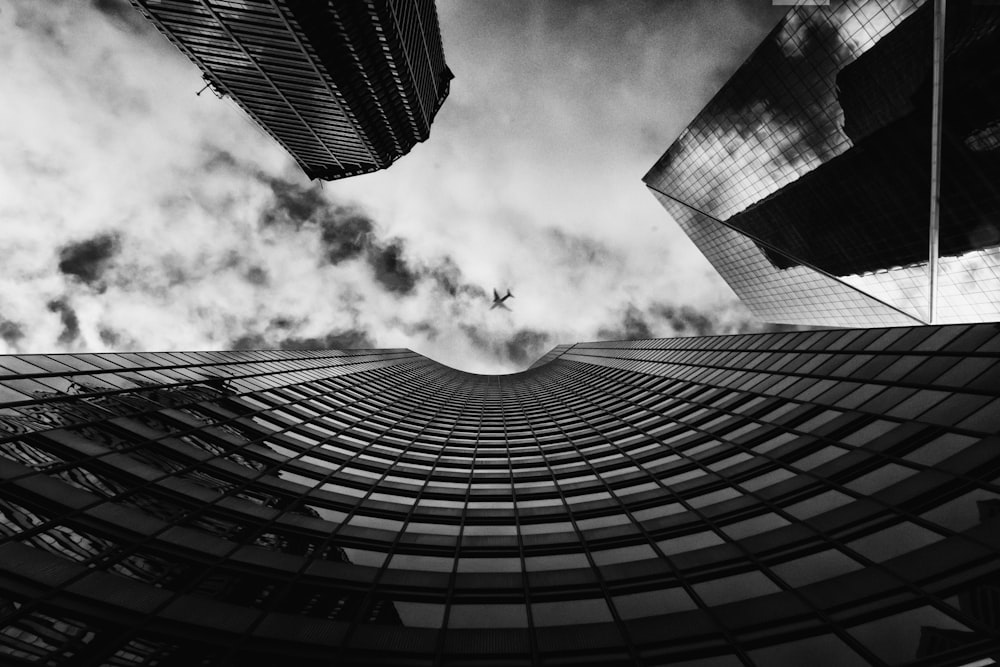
(818, 150)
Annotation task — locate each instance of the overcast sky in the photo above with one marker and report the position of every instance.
(136, 215)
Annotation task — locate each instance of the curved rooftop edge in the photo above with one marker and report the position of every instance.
(764, 499)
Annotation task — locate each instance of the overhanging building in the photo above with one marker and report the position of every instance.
(345, 87)
(823, 498)
(807, 179)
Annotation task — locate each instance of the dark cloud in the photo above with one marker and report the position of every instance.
(424, 328)
(110, 337)
(663, 320)
(251, 342)
(122, 15)
(633, 326)
(115, 339)
(257, 275)
(10, 332)
(345, 234)
(348, 233)
(526, 346)
(34, 18)
(70, 322)
(756, 326)
(175, 271)
(87, 260)
(685, 320)
(521, 349)
(293, 203)
(391, 269)
(350, 339)
(448, 278)
(477, 337)
(218, 159)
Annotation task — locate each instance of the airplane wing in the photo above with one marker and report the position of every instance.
(496, 297)
(499, 304)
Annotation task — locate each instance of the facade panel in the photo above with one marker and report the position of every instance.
(734, 499)
(819, 152)
(346, 88)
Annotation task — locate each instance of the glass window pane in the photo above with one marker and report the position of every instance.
(736, 587)
(570, 612)
(488, 616)
(653, 603)
(816, 567)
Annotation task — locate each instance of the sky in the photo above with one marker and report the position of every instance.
(138, 215)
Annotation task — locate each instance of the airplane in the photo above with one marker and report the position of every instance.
(498, 301)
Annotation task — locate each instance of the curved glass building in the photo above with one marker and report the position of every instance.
(830, 497)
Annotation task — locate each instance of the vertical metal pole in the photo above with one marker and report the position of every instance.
(936, 105)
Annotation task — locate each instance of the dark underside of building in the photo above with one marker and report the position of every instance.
(867, 209)
(345, 88)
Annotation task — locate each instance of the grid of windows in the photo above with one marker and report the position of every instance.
(751, 499)
(809, 173)
(346, 88)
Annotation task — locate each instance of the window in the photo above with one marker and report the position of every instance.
(488, 616)
(570, 612)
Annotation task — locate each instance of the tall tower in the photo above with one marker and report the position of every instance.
(848, 174)
(771, 499)
(346, 87)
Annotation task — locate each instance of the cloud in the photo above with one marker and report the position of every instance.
(632, 326)
(423, 329)
(122, 15)
(526, 346)
(345, 232)
(111, 338)
(390, 267)
(351, 339)
(294, 204)
(251, 342)
(684, 320)
(87, 260)
(516, 350)
(199, 232)
(448, 278)
(10, 332)
(579, 250)
(664, 320)
(68, 318)
(256, 275)
(33, 18)
(345, 235)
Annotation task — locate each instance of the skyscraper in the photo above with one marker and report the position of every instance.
(808, 178)
(346, 88)
(770, 499)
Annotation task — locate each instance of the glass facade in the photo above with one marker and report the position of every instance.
(807, 179)
(769, 499)
(346, 88)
